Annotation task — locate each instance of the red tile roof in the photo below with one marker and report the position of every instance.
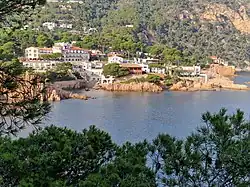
(46, 49)
(128, 65)
(213, 57)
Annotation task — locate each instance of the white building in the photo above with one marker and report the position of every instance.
(129, 26)
(66, 26)
(115, 59)
(74, 54)
(50, 25)
(32, 53)
(107, 80)
(145, 68)
(146, 60)
(190, 70)
(40, 65)
(69, 54)
(158, 70)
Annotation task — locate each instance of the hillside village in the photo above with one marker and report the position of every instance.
(89, 64)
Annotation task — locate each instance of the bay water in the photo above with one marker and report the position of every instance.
(137, 116)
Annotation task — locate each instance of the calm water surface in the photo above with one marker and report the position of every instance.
(138, 116)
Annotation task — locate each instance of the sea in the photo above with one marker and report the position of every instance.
(134, 116)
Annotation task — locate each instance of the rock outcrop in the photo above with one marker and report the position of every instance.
(138, 87)
(239, 18)
(54, 94)
(214, 84)
(222, 70)
(61, 90)
(70, 85)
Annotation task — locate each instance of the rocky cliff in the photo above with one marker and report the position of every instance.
(218, 12)
(62, 90)
(222, 70)
(55, 94)
(138, 87)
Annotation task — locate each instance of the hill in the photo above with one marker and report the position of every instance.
(200, 28)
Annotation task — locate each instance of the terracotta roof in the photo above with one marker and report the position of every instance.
(76, 48)
(213, 57)
(46, 49)
(128, 65)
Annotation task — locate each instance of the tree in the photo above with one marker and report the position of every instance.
(44, 41)
(216, 155)
(7, 51)
(156, 50)
(154, 79)
(128, 169)
(114, 69)
(171, 55)
(54, 156)
(21, 96)
(15, 6)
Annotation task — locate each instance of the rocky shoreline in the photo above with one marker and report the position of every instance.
(215, 84)
(63, 90)
(131, 87)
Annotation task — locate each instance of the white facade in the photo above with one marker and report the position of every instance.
(158, 70)
(191, 70)
(66, 26)
(146, 60)
(49, 25)
(145, 68)
(115, 59)
(107, 80)
(75, 54)
(32, 53)
(40, 65)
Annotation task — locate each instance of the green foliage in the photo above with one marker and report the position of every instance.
(176, 24)
(156, 65)
(61, 72)
(135, 80)
(114, 69)
(153, 78)
(7, 51)
(128, 169)
(44, 41)
(150, 78)
(53, 56)
(216, 155)
(54, 156)
(156, 50)
(170, 80)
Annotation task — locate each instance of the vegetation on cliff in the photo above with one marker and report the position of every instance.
(189, 26)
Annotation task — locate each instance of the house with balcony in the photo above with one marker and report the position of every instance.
(75, 54)
(133, 68)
